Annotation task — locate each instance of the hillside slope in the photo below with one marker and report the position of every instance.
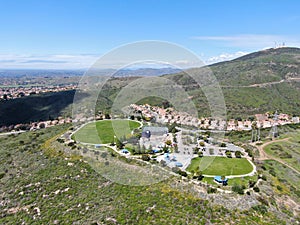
(263, 81)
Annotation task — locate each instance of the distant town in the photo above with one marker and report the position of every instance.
(7, 93)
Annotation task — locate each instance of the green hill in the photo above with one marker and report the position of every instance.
(263, 81)
(35, 107)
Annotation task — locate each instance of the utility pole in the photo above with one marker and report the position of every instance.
(274, 130)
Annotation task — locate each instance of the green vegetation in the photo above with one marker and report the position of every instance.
(104, 131)
(287, 150)
(221, 165)
(282, 176)
(50, 186)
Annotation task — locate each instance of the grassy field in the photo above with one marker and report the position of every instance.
(221, 165)
(104, 131)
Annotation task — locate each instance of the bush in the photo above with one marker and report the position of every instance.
(251, 183)
(256, 189)
(182, 173)
(279, 188)
(237, 189)
(272, 172)
(2, 175)
(195, 150)
(238, 154)
(263, 177)
(222, 145)
(163, 163)
(200, 154)
(260, 208)
(211, 190)
(201, 143)
(228, 154)
(168, 142)
(145, 157)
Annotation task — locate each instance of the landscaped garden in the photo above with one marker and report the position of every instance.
(104, 131)
(220, 166)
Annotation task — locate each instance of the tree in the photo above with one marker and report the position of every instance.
(174, 138)
(143, 149)
(202, 144)
(172, 128)
(238, 154)
(200, 154)
(150, 148)
(132, 117)
(119, 144)
(165, 149)
(182, 173)
(223, 145)
(42, 125)
(166, 104)
(199, 174)
(145, 157)
(195, 150)
(168, 142)
(251, 183)
(107, 116)
(176, 149)
(251, 118)
(256, 189)
(228, 154)
(163, 163)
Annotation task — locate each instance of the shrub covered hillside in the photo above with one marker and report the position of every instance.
(42, 185)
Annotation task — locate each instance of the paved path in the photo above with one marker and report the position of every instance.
(12, 132)
(264, 156)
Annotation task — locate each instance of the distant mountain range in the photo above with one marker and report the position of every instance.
(59, 73)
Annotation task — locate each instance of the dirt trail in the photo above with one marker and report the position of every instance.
(264, 156)
(265, 84)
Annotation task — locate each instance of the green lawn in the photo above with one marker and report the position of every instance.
(105, 130)
(221, 165)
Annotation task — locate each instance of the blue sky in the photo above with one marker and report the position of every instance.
(73, 34)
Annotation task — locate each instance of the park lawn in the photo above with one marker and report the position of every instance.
(210, 165)
(104, 131)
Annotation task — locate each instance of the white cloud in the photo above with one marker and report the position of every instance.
(225, 57)
(15, 61)
(252, 40)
